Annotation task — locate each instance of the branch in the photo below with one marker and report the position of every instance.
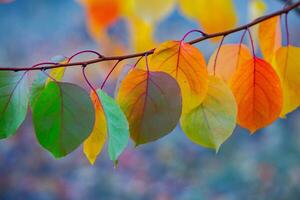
(288, 2)
(285, 10)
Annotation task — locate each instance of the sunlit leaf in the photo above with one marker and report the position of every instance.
(186, 64)
(93, 145)
(257, 90)
(288, 68)
(269, 36)
(152, 104)
(142, 34)
(63, 117)
(213, 121)
(213, 15)
(154, 10)
(14, 95)
(230, 56)
(117, 125)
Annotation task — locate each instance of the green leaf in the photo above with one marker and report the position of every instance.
(117, 126)
(13, 101)
(63, 117)
(213, 121)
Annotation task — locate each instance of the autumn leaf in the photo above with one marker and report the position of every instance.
(186, 64)
(213, 121)
(288, 68)
(142, 35)
(213, 16)
(93, 145)
(101, 14)
(230, 56)
(269, 36)
(257, 90)
(152, 11)
(152, 104)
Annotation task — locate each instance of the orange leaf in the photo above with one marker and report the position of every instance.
(151, 102)
(186, 64)
(258, 93)
(269, 35)
(229, 58)
(101, 14)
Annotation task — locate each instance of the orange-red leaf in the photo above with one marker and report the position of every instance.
(186, 64)
(151, 102)
(269, 36)
(257, 90)
(230, 56)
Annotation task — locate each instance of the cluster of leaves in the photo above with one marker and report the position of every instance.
(143, 15)
(175, 85)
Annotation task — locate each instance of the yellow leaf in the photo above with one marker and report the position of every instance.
(257, 8)
(213, 15)
(269, 36)
(57, 73)
(93, 145)
(186, 64)
(288, 68)
(230, 56)
(152, 11)
(213, 121)
(141, 34)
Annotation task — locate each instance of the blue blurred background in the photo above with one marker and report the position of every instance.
(260, 167)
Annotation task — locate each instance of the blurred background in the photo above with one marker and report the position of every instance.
(262, 166)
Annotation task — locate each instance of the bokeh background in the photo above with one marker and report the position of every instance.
(262, 166)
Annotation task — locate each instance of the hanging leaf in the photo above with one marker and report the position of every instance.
(288, 68)
(213, 121)
(230, 56)
(186, 64)
(152, 104)
(117, 126)
(213, 16)
(258, 93)
(269, 36)
(63, 117)
(14, 95)
(93, 145)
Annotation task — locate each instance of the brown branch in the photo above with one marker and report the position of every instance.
(288, 2)
(285, 10)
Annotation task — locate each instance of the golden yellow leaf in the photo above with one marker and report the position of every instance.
(288, 68)
(213, 15)
(186, 64)
(93, 145)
